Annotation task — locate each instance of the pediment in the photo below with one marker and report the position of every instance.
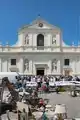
(40, 24)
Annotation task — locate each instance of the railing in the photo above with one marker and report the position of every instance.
(71, 49)
(30, 49)
(66, 67)
(39, 49)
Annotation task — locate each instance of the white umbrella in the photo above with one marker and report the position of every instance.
(48, 106)
(50, 113)
(37, 114)
(60, 109)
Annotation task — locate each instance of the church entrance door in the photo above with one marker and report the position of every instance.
(40, 71)
(67, 72)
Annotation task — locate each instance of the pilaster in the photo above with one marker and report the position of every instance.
(21, 65)
(61, 64)
(30, 67)
(0, 65)
(58, 67)
(49, 67)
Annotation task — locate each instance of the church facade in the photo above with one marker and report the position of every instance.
(40, 50)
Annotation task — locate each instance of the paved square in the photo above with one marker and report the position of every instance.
(72, 103)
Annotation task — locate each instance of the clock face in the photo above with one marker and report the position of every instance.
(40, 25)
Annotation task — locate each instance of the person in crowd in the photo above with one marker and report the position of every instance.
(24, 83)
(44, 116)
(57, 89)
(30, 90)
(24, 115)
(19, 113)
(44, 87)
(34, 93)
(41, 103)
(39, 82)
(8, 117)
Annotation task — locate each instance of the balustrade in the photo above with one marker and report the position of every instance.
(39, 49)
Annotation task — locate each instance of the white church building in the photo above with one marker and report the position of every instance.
(40, 50)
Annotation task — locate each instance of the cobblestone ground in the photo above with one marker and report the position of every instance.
(72, 103)
(12, 116)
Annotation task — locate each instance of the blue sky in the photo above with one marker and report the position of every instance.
(62, 13)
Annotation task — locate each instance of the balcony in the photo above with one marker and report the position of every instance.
(13, 68)
(30, 49)
(71, 49)
(50, 49)
(67, 67)
(42, 49)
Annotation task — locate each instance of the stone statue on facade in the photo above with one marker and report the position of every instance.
(7, 43)
(0, 43)
(54, 64)
(26, 64)
(54, 39)
(26, 39)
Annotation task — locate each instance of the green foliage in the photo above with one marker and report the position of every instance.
(62, 89)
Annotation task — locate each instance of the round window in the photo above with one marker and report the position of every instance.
(40, 25)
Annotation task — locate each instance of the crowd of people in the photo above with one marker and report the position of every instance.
(22, 80)
(40, 82)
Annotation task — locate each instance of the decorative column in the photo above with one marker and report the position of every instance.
(46, 70)
(49, 70)
(4, 64)
(75, 66)
(21, 64)
(61, 64)
(58, 66)
(30, 67)
(7, 64)
(32, 40)
(0, 65)
(50, 42)
(33, 68)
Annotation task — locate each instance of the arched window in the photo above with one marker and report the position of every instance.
(40, 40)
